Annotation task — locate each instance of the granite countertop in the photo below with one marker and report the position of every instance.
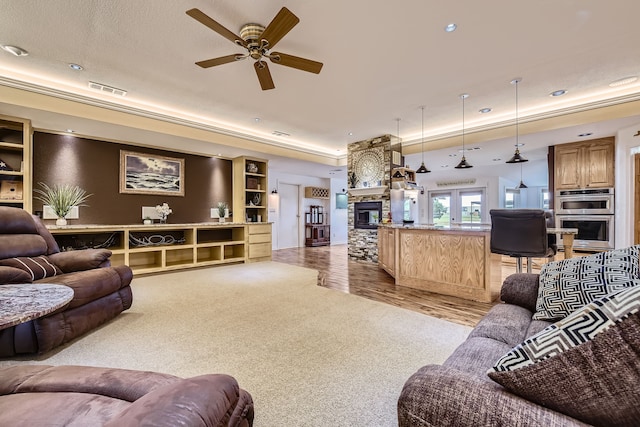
(479, 227)
(23, 302)
(150, 226)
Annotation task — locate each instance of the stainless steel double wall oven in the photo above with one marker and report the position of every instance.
(591, 211)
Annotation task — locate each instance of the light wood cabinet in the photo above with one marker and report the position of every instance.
(259, 242)
(387, 249)
(588, 164)
(164, 247)
(15, 162)
(250, 181)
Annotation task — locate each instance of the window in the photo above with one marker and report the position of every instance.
(463, 206)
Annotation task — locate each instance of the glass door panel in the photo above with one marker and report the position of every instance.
(440, 208)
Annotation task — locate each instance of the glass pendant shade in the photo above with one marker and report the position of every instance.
(422, 168)
(463, 163)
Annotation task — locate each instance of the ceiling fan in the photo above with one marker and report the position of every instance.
(258, 41)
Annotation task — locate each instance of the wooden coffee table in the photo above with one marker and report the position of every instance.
(24, 302)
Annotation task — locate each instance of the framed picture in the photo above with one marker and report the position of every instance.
(142, 173)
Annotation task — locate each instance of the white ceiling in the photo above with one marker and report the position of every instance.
(382, 61)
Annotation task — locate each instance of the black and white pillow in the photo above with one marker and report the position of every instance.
(586, 366)
(568, 285)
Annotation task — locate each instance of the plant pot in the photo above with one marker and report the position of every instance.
(220, 219)
(147, 222)
(61, 221)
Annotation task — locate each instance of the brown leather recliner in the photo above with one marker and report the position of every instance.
(95, 396)
(29, 253)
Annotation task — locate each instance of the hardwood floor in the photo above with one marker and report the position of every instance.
(369, 281)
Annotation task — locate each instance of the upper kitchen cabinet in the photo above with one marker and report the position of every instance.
(15, 162)
(588, 164)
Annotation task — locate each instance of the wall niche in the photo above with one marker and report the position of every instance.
(94, 165)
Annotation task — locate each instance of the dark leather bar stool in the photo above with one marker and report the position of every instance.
(522, 233)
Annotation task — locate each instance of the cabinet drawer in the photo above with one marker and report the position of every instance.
(259, 238)
(259, 250)
(260, 229)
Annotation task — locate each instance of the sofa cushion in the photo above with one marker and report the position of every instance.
(16, 245)
(13, 275)
(568, 285)
(582, 364)
(85, 259)
(37, 267)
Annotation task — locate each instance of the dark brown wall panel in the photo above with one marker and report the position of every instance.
(95, 166)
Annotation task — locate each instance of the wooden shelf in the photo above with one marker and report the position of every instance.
(250, 182)
(316, 193)
(15, 151)
(204, 244)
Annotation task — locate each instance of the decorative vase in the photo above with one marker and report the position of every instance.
(163, 220)
(61, 221)
(147, 222)
(221, 219)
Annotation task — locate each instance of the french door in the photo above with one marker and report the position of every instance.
(461, 207)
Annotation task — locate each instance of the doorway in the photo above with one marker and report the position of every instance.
(636, 198)
(289, 221)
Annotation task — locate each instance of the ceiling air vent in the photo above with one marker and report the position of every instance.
(108, 89)
(280, 133)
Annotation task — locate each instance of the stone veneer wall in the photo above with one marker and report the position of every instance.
(363, 243)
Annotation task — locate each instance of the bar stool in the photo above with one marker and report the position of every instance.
(522, 233)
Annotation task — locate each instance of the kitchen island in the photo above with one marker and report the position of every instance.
(454, 260)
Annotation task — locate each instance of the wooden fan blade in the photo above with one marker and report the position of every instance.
(199, 16)
(264, 75)
(281, 24)
(219, 61)
(296, 62)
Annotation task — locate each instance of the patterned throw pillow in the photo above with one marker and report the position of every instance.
(586, 366)
(568, 285)
(37, 267)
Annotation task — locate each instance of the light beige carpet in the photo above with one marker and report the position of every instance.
(309, 356)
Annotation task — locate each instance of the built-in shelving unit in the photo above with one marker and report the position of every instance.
(250, 181)
(15, 162)
(162, 247)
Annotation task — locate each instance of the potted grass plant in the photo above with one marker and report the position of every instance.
(61, 198)
(223, 211)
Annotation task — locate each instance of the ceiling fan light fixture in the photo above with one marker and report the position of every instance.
(463, 162)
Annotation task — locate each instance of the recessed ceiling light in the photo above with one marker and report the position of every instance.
(76, 67)
(450, 28)
(256, 119)
(453, 155)
(624, 81)
(485, 110)
(582, 135)
(70, 130)
(558, 92)
(350, 133)
(497, 159)
(444, 166)
(14, 50)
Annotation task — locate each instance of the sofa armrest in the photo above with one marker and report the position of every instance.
(521, 289)
(207, 400)
(443, 396)
(80, 260)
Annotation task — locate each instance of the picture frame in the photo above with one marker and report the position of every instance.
(144, 173)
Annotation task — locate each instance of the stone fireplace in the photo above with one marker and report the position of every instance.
(369, 171)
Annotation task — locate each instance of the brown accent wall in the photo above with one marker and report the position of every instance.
(95, 165)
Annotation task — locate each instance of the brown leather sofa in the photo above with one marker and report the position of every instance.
(92, 396)
(29, 253)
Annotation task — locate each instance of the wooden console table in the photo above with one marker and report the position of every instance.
(161, 247)
(23, 302)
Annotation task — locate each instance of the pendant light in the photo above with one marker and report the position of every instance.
(521, 183)
(463, 163)
(517, 158)
(422, 168)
